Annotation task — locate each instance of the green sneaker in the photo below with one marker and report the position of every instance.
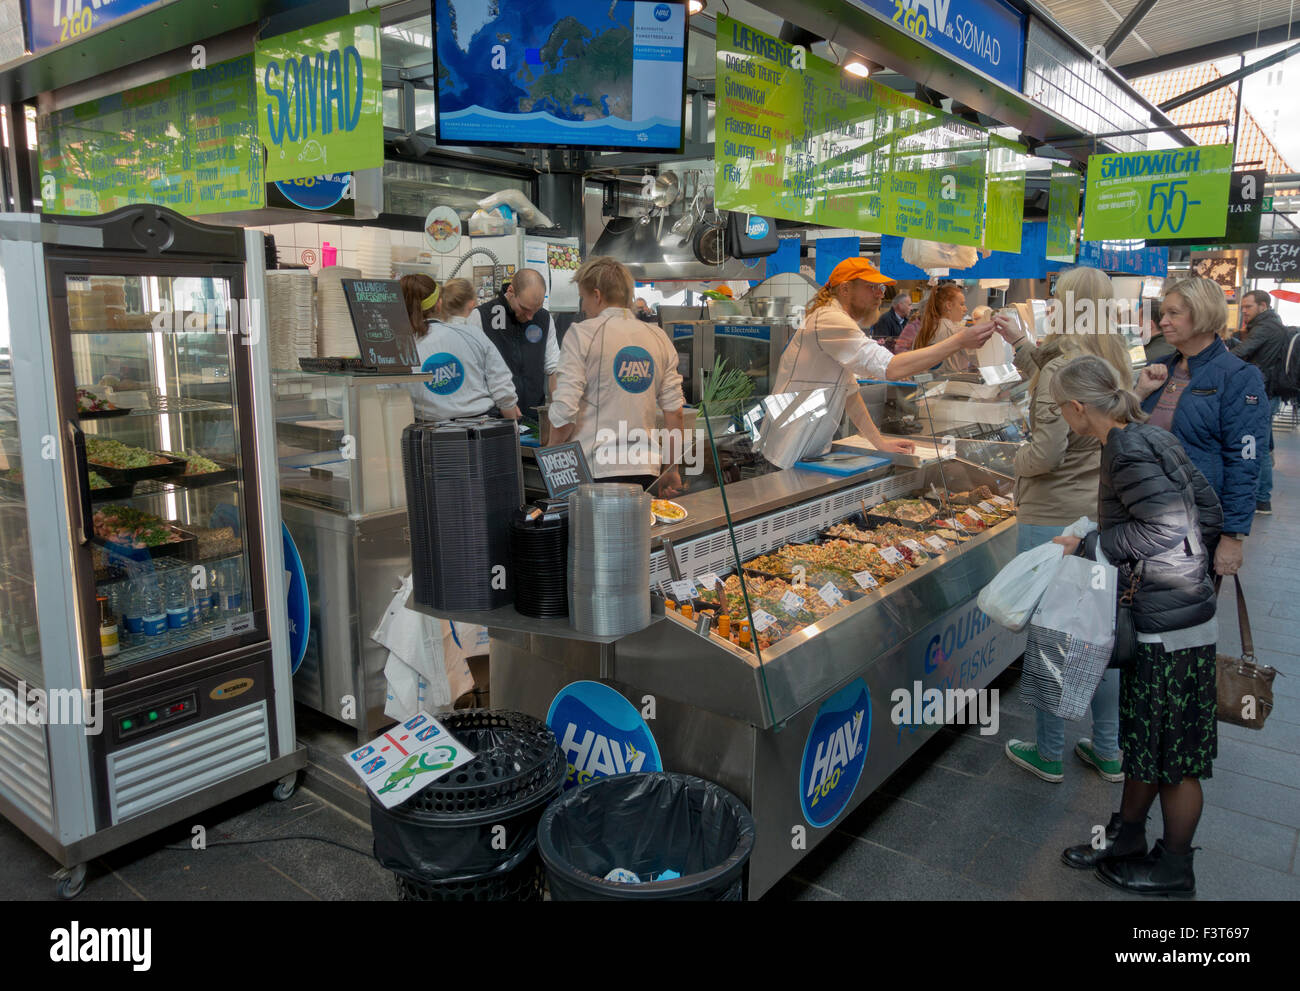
(1110, 770)
(1027, 756)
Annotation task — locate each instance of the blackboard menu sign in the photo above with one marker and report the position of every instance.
(1276, 260)
(564, 468)
(381, 322)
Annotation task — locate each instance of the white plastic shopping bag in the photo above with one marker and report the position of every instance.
(1071, 637)
(1013, 594)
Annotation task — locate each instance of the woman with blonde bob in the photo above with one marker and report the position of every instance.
(1056, 484)
(1157, 518)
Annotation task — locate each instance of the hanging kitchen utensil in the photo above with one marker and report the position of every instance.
(710, 240)
(667, 190)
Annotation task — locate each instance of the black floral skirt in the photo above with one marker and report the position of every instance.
(1167, 714)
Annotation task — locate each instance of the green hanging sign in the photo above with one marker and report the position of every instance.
(1063, 214)
(1158, 195)
(1005, 198)
(319, 98)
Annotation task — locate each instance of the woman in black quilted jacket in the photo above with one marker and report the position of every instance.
(1159, 522)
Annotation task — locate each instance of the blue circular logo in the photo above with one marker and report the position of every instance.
(446, 371)
(316, 192)
(835, 753)
(756, 228)
(663, 12)
(601, 733)
(532, 333)
(634, 369)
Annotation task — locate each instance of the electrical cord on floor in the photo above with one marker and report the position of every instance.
(275, 839)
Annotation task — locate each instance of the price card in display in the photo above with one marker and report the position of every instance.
(793, 603)
(709, 580)
(937, 543)
(1001, 502)
(912, 545)
(762, 620)
(241, 624)
(683, 590)
(892, 554)
(955, 524)
(831, 595)
(866, 579)
(973, 516)
(987, 508)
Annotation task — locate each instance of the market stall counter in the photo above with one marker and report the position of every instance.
(822, 608)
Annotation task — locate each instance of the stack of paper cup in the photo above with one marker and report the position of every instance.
(334, 334)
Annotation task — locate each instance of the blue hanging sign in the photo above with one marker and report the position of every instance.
(56, 22)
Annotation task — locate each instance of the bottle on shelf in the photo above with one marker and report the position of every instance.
(109, 645)
(117, 596)
(153, 620)
(178, 609)
(133, 612)
(234, 586)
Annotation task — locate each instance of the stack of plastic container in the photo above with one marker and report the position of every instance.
(609, 559)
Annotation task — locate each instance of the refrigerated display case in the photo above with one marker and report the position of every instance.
(852, 587)
(343, 498)
(143, 570)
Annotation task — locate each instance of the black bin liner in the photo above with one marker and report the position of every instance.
(447, 831)
(647, 823)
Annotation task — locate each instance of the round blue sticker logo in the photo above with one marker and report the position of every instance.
(835, 753)
(663, 12)
(756, 228)
(532, 333)
(315, 192)
(634, 369)
(601, 733)
(447, 373)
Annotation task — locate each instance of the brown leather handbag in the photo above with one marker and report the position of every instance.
(1244, 687)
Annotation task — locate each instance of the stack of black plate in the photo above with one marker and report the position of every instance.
(539, 552)
(462, 484)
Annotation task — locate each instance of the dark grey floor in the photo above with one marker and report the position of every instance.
(959, 822)
(962, 822)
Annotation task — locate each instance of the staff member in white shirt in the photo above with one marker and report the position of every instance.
(830, 352)
(468, 376)
(615, 373)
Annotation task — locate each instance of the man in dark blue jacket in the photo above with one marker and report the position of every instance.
(1265, 347)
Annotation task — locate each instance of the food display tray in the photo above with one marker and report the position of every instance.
(228, 473)
(105, 414)
(129, 476)
(184, 548)
(112, 492)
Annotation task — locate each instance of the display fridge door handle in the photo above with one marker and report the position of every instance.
(85, 515)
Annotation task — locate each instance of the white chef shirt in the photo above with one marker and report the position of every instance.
(469, 375)
(615, 372)
(552, 359)
(830, 353)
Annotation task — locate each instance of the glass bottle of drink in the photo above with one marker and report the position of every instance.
(109, 644)
(133, 613)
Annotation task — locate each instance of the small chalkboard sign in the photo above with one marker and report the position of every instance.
(564, 468)
(382, 325)
(1276, 260)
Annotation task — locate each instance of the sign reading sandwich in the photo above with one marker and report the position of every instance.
(1158, 195)
(318, 98)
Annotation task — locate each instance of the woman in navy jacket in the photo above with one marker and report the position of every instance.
(1214, 403)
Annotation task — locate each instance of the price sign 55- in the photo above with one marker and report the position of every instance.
(1170, 195)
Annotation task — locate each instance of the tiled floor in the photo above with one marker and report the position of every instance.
(958, 822)
(962, 822)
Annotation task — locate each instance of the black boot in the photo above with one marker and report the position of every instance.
(1158, 873)
(1085, 856)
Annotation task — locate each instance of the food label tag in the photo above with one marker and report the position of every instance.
(793, 603)
(892, 554)
(709, 580)
(683, 590)
(973, 516)
(866, 579)
(987, 508)
(955, 524)
(1001, 502)
(762, 620)
(241, 624)
(937, 543)
(913, 546)
(831, 595)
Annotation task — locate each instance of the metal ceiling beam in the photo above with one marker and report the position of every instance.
(1278, 35)
(1229, 79)
(1127, 25)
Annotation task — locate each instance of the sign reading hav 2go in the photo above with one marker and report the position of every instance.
(318, 98)
(601, 733)
(835, 753)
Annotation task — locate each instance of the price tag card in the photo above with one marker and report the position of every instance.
(998, 500)
(762, 620)
(987, 508)
(866, 579)
(937, 543)
(973, 516)
(709, 580)
(912, 545)
(793, 603)
(831, 595)
(955, 524)
(241, 624)
(892, 554)
(683, 590)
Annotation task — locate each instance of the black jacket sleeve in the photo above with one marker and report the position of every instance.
(1208, 508)
(1154, 504)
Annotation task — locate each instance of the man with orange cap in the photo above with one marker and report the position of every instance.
(830, 353)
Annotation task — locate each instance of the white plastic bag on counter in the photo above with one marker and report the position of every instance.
(936, 254)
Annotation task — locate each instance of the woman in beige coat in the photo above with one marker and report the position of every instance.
(1057, 477)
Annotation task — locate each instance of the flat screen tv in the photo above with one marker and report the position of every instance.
(597, 74)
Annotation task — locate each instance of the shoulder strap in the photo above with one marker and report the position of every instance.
(1243, 618)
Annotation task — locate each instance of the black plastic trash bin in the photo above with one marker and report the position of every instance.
(472, 835)
(647, 823)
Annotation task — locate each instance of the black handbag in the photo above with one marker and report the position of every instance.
(1126, 638)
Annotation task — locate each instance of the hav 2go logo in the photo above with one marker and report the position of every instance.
(835, 753)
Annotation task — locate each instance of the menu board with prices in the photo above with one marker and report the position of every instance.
(1004, 207)
(1063, 214)
(188, 142)
(1169, 193)
(382, 324)
(799, 139)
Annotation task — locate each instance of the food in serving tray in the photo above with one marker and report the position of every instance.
(97, 481)
(911, 510)
(214, 543)
(90, 402)
(133, 528)
(115, 454)
(770, 595)
(666, 510)
(195, 463)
